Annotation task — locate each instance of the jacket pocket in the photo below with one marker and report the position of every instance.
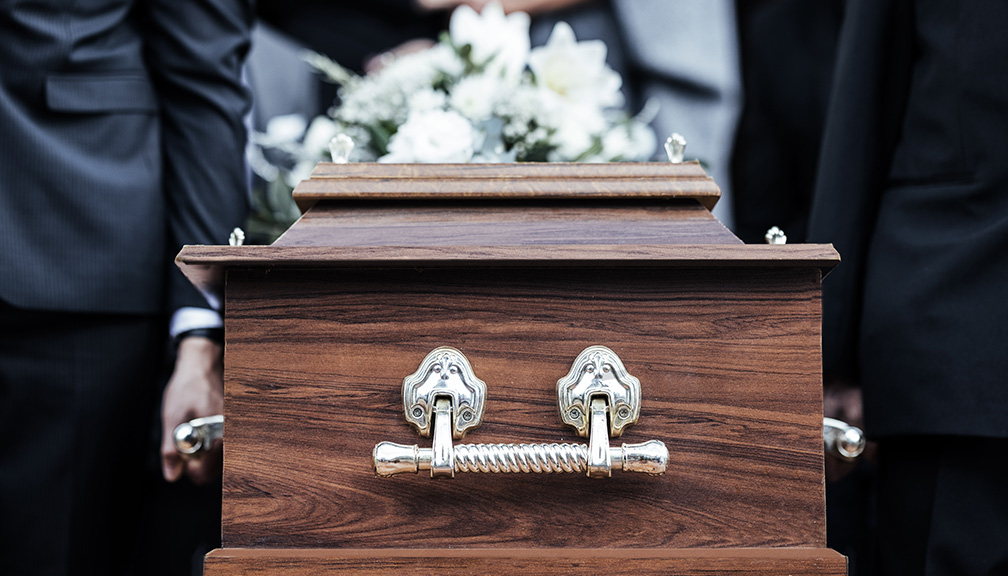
(100, 94)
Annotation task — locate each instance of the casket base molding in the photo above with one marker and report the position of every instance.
(532, 562)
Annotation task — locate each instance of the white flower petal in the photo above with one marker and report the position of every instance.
(286, 128)
(320, 132)
(426, 99)
(432, 137)
(475, 96)
(301, 171)
(498, 41)
(577, 71)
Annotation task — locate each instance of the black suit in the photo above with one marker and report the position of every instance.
(121, 139)
(913, 191)
(787, 49)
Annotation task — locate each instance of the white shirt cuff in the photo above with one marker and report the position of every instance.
(190, 318)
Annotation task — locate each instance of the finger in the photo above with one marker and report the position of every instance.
(194, 470)
(171, 463)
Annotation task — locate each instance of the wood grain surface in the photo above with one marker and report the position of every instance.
(633, 562)
(205, 266)
(527, 180)
(729, 363)
(515, 223)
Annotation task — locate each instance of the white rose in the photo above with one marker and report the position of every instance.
(577, 127)
(426, 99)
(631, 141)
(435, 136)
(407, 73)
(616, 144)
(474, 97)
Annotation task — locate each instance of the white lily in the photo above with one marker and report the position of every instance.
(576, 71)
(498, 41)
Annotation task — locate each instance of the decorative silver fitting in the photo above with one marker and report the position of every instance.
(842, 440)
(675, 148)
(444, 373)
(599, 398)
(445, 396)
(198, 435)
(340, 148)
(598, 371)
(775, 236)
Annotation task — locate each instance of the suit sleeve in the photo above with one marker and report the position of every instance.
(195, 50)
(866, 106)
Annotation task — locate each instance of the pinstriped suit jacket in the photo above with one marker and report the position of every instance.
(121, 139)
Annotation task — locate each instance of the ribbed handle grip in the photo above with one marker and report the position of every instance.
(539, 458)
(648, 457)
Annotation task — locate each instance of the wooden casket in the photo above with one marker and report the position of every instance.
(537, 282)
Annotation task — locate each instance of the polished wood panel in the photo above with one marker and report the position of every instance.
(520, 267)
(204, 266)
(729, 364)
(574, 562)
(516, 223)
(463, 182)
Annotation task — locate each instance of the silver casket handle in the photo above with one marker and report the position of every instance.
(198, 435)
(842, 440)
(444, 398)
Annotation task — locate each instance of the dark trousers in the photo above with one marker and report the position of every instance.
(76, 396)
(943, 506)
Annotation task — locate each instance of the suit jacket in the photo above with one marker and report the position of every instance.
(121, 139)
(913, 191)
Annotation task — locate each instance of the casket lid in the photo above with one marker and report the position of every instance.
(507, 182)
(499, 215)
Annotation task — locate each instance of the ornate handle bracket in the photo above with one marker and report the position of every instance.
(445, 398)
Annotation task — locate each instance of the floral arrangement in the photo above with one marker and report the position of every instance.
(481, 94)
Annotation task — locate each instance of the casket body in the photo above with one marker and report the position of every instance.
(520, 268)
